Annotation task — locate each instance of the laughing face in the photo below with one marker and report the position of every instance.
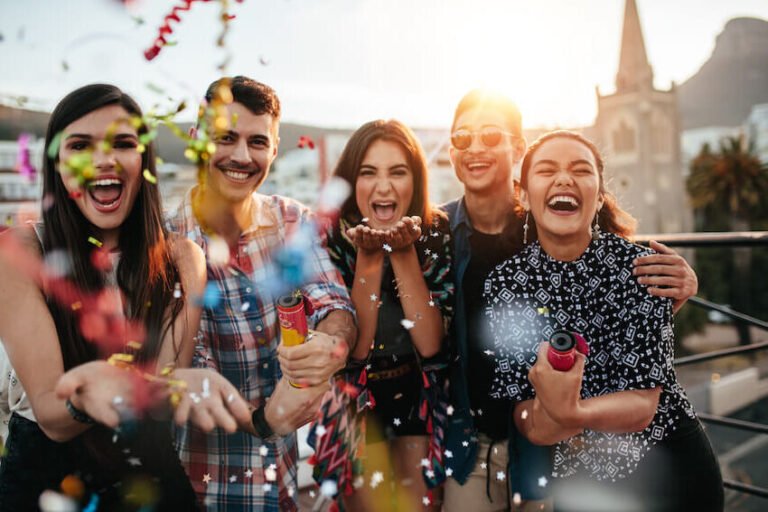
(562, 192)
(482, 168)
(108, 196)
(384, 185)
(243, 155)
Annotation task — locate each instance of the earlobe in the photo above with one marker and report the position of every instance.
(524, 199)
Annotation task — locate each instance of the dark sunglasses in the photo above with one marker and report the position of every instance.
(490, 136)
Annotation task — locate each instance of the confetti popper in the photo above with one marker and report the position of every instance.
(563, 346)
(293, 322)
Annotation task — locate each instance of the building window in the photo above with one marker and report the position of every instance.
(624, 138)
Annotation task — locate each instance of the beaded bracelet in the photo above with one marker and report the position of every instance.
(77, 414)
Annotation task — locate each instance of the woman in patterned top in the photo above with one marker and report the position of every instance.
(393, 251)
(625, 434)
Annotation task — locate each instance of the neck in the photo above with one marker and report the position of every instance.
(110, 239)
(565, 248)
(489, 211)
(221, 217)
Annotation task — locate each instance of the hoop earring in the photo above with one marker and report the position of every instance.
(525, 228)
(595, 229)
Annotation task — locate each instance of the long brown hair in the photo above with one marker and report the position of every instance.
(146, 273)
(610, 217)
(354, 152)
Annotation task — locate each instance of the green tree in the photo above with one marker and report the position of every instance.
(728, 190)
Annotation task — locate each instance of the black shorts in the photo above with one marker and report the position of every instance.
(396, 412)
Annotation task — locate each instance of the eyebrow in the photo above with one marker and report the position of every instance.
(88, 136)
(573, 163)
(396, 166)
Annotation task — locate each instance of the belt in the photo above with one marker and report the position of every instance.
(391, 373)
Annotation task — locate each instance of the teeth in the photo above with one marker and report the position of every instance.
(105, 182)
(237, 175)
(563, 199)
(476, 165)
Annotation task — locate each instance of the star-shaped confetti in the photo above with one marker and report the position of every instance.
(543, 481)
(488, 352)
(465, 443)
(449, 410)
(233, 479)
(263, 450)
(248, 473)
(329, 488)
(425, 501)
(374, 297)
(387, 247)
(320, 431)
(448, 454)
(501, 476)
(425, 463)
(449, 471)
(207, 478)
(524, 414)
(376, 478)
(407, 324)
(270, 474)
(483, 465)
(431, 303)
(396, 422)
(429, 473)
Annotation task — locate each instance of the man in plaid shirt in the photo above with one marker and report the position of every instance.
(254, 468)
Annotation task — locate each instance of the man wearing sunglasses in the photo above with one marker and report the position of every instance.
(490, 462)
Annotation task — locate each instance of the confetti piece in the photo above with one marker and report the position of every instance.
(376, 478)
(51, 501)
(483, 465)
(524, 414)
(543, 481)
(396, 422)
(149, 176)
(94, 241)
(449, 410)
(206, 388)
(230, 399)
(73, 487)
(364, 220)
(312, 494)
(374, 297)
(320, 431)
(177, 291)
(449, 471)
(233, 479)
(517, 500)
(211, 296)
(329, 488)
(425, 463)
(543, 311)
(407, 324)
(207, 478)
(263, 451)
(23, 161)
(488, 352)
(134, 461)
(465, 443)
(248, 473)
(306, 142)
(501, 476)
(425, 500)
(387, 247)
(263, 61)
(448, 454)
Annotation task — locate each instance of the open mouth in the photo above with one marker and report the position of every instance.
(105, 193)
(237, 175)
(563, 203)
(384, 211)
(479, 165)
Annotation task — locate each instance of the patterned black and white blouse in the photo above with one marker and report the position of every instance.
(628, 330)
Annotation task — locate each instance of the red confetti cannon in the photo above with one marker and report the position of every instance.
(563, 346)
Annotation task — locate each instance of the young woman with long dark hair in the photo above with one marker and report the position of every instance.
(100, 277)
(394, 252)
(625, 435)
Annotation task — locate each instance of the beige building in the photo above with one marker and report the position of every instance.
(638, 129)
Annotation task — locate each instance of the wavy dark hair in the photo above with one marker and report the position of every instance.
(610, 217)
(354, 152)
(146, 273)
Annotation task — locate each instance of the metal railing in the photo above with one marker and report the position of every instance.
(742, 239)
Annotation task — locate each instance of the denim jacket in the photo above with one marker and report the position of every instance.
(527, 462)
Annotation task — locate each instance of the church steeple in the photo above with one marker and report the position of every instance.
(635, 72)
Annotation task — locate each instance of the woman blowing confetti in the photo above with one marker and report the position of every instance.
(625, 434)
(393, 251)
(98, 278)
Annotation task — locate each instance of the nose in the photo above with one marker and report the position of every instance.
(383, 184)
(240, 152)
(563, 177)
(103, 157)
(476, 145)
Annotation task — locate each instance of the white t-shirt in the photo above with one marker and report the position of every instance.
(13, 398)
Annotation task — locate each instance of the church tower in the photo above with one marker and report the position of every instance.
(638, 129)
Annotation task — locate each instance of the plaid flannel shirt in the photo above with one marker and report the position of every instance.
(239, 339)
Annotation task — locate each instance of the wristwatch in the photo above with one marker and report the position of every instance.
(263, 430)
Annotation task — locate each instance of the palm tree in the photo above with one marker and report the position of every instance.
(732, 182)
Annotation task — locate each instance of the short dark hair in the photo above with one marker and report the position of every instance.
(257, 97)
(611, 217)
(348, 167)
(479, 98)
